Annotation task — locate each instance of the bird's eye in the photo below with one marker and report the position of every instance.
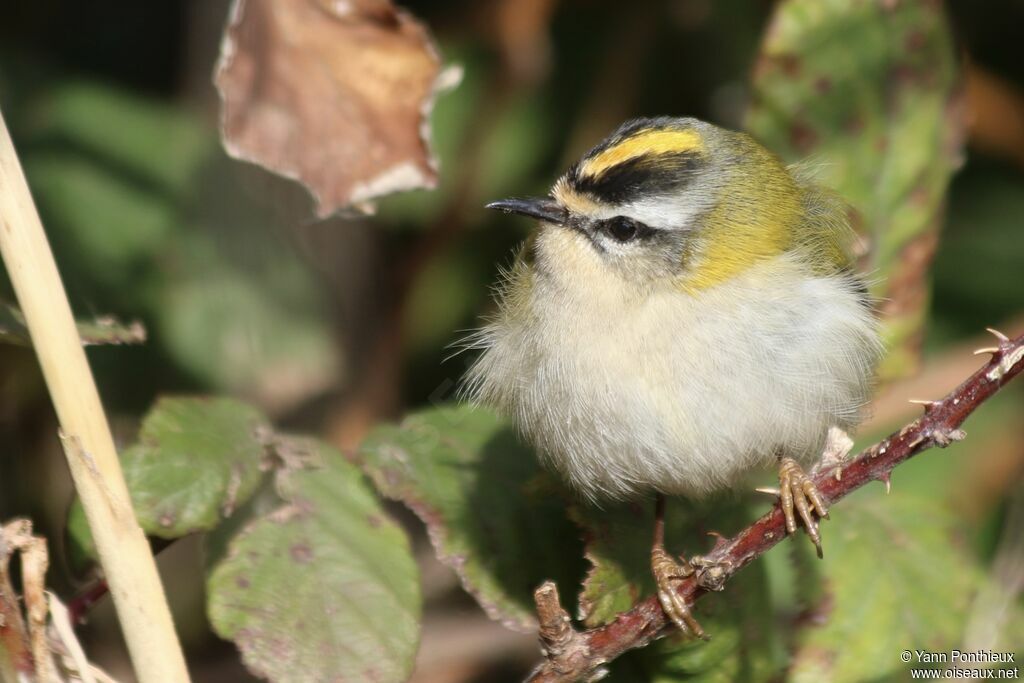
(622, 228)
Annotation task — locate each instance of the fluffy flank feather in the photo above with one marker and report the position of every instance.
(680, 393)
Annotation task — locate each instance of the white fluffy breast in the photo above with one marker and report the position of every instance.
(626, 389)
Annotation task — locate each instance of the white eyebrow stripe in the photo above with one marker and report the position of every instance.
(677, 211)
(657, 216)
(663, 213)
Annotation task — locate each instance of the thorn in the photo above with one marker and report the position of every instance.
(770, 491)
(994, 350)
(1003, 339)
(720, 541)
(887, 479)
(928, 405)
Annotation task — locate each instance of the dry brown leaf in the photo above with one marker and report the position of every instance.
(335, 94)
(46, 650)
(16, 661)
(34, 561)
(16, 537)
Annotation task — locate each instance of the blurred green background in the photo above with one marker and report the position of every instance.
(333, 326)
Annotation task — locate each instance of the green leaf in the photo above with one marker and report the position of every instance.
(237, 331)
(158, 206)
(492, 514)
(197, 459)
(895, 578)
(865, 91)
(726, 658)
(263, 502)
(102, 330)
(80, 548)
(155, 143)
(324, 588)
(103, 224)
(743, 646)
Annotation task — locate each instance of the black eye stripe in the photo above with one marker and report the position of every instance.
(650, 174)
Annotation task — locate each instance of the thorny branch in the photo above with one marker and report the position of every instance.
(572, 655)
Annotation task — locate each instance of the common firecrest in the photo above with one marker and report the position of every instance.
(686, 310)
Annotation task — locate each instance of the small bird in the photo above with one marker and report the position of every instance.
(686, 310)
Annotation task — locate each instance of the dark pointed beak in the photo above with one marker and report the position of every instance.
(542, 208)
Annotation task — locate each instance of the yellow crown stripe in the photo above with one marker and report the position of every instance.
(648, 141)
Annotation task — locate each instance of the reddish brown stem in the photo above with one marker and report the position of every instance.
(939, 426)
(83, 602)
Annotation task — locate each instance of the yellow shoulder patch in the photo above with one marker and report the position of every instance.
(648, 141)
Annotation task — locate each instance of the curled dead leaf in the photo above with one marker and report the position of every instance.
(335, 94)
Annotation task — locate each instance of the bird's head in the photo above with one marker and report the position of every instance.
(669, 198)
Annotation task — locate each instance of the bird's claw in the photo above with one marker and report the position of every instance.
(799, 496)
(667, 572)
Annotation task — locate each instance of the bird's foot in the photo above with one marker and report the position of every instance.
(667, 574)
(799, 495)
